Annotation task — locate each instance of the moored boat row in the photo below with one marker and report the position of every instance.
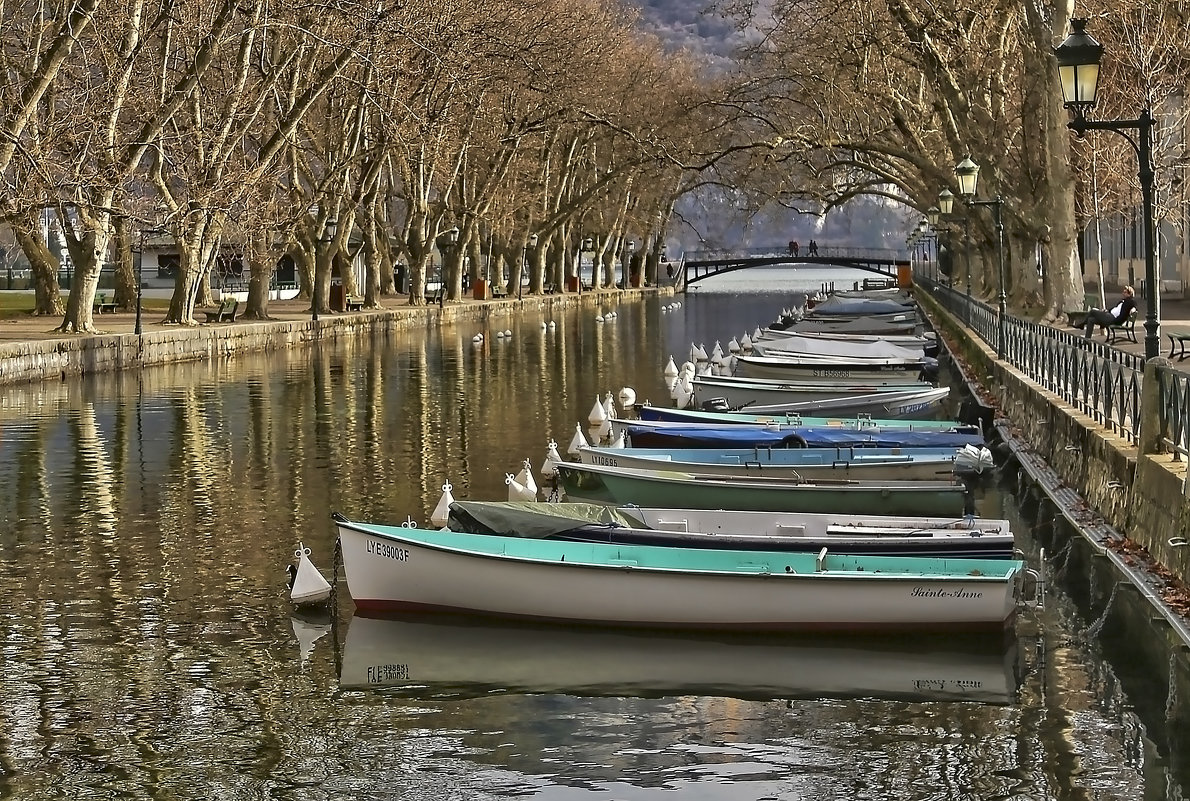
(733, 519)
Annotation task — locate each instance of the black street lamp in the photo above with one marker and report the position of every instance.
(627, 263)
(446, 245)
(525, 264)
(967, 171)
(324, 242)
(1078, 71)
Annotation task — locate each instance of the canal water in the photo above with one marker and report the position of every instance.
(148, 649)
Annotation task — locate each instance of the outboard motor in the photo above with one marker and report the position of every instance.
(715, 405)
(929, 370)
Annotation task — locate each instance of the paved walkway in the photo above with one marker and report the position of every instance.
(1175, 319)
(29, 328)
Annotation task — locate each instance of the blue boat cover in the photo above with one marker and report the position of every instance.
(643, 436)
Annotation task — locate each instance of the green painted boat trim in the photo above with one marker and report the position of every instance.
(690, 560)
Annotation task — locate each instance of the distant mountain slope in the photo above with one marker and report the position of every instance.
(687, 24)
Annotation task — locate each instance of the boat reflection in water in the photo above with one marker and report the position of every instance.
(461, 656)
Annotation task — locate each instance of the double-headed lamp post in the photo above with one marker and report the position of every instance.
(1078, 70)
(967, 172)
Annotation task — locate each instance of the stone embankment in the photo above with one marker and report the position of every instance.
(31, 353)
(1134, 487)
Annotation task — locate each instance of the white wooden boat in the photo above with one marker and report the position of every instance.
(838, 348)
(474, 658)
(876, 535)
(623, 485)
(792, 370)
(739, 391)
(394, 568)
(924, 340)
(907, 405)
(858, 464)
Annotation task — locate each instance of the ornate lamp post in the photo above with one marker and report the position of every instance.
(1078, 70)
(967, 171)
(324, 242)
(627, 264)
(524, 264)
(446, 245)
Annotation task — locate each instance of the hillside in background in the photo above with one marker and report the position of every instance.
(716, 222)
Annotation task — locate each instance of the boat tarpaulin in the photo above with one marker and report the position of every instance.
(533, 518)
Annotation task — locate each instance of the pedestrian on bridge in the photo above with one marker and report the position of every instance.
(812, 250)
(793, 248)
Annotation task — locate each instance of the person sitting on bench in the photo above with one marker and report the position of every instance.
(1117, 316)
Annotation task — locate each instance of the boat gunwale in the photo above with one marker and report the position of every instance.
(1012, 567)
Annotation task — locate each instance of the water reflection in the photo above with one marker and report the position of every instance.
(473, 658)
(148, 649)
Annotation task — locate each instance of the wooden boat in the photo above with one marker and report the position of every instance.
(664, 434)
(913, 404)
(623, 485)
(745, 417)
(804, 370)
(838, 349)
(924, 340)
(858, 464)
(838, 305)
(857, 325)
(470, 657)
(877, 535)
(396, 568)
(737, 391)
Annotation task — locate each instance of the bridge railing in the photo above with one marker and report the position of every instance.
(1102, 382)
(843, 252)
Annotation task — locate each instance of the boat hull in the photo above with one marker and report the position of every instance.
(662, 434)
(741, 392)
(910, 405)
(782, 463)
(619, 486)
(393, 569)
(770, 367)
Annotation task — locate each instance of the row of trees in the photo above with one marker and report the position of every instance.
(348, 129)
(338, 130)
(885, 97)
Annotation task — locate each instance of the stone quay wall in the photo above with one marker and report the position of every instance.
(1134, 487)
(62, 358)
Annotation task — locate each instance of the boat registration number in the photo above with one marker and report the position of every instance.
(832, 374)
(388, 551)
(386, 674)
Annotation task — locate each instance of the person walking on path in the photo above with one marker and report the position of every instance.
(793, 247)
(813, 248)
(1117, 315)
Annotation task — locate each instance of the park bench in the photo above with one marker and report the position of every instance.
(549, 289)
(1178, 342)
(1125, 330)
(224, 313)
(353, 303)
(499, 292)
(102, 305)
(1078, 317)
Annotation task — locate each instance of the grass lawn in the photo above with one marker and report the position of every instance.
(20, 304)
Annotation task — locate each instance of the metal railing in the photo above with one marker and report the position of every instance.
(1175, 411)
(1102, 382)
(822, 252)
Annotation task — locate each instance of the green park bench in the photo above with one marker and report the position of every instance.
(102, 305)
(224, 313)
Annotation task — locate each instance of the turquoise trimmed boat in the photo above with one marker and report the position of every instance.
(397, 568)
